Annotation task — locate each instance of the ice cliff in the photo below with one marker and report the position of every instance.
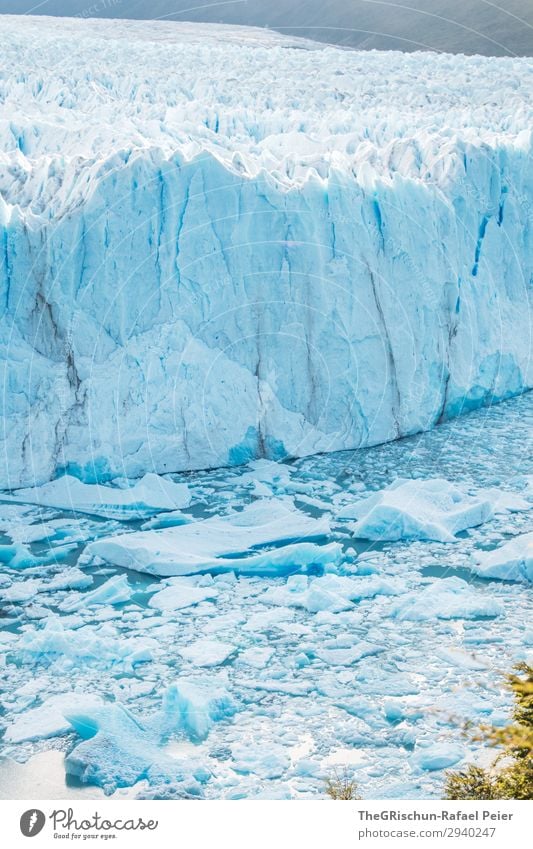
(218, 244)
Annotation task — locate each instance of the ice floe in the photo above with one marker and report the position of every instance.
(118, 750)
(438, 756)
(116, 590)
(99, 646)
(208, 546)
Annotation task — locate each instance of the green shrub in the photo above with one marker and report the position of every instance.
(511, 774)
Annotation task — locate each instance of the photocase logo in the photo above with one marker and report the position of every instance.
(32, 822)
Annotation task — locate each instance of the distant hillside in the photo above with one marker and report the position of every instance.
(502, 28)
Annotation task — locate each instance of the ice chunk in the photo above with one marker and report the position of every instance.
(147, 496)
(280, 561)
(21, 591)
(17, 556)
(256, 656)
(168, 519)
(48, 720)
(68, 579)
(267, 761)
(265, 620)
(419, 509)
(348, 656)
(267, 472)
(505, 502)
(207, 652)
(94, 645)
(333, 593)
(179, 595)
(511, 562)
(446, 598)
(288, 687)
(208, 546)
(438, 756)
(195, 705)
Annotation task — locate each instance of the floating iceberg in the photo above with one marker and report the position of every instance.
(348, 656)
(21, 591)
(418, 509)
(68, 579)
(511, 562)
(505, 502)
(208, 546)
(118, 749)
(147, 496)
(203, 273)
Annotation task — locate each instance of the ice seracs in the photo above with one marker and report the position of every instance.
(203, 273)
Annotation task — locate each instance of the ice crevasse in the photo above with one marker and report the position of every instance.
(218, 244)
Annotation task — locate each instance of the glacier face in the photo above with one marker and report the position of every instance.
(218, 244)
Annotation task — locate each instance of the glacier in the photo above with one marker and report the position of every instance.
(310, 250)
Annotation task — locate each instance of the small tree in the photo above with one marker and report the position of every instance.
(511, 774)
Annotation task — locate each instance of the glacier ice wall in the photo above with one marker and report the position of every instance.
(219, 244)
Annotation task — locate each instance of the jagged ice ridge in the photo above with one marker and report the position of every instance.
(218, 244)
